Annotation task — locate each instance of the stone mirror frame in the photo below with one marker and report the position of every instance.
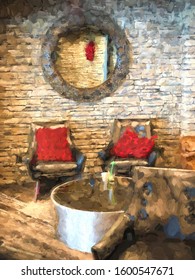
(104, 25)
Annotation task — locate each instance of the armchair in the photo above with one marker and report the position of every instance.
(52, 154)
(131, 145)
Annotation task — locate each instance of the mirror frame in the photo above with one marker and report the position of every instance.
(107, 26)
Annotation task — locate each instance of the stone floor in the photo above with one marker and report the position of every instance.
(28, 232)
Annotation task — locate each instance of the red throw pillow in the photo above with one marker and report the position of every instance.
(130, 145)
(52, 144)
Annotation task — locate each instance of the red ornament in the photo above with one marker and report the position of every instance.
(90, 51)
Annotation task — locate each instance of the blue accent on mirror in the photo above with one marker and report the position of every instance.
(144, 202)
(148, 187)
(142, 214)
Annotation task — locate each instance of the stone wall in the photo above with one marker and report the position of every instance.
(160, 85)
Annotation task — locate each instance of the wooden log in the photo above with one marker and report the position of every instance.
(112, 238)
(25, 237)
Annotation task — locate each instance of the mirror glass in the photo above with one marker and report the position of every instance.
(85, 58)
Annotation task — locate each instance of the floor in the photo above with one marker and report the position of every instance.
(28, 232)
(28, 227)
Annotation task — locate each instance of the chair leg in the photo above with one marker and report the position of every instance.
(37, 190)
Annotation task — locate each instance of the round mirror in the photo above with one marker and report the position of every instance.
(87, 60)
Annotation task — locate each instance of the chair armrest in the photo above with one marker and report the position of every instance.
(30, 163)
(105, 153)
(79, 158)
(152, 158)
(156, 153)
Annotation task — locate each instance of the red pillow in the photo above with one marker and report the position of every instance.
(130, 145)
(52, 144)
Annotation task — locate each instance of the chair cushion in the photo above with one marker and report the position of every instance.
(130, 145)
(125, 164)
(131, 162)
(49, 167)
(52, 144)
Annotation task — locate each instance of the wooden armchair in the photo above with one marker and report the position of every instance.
(123, 165)
(52, 154)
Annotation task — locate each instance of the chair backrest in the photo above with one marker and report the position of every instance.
(141, 127)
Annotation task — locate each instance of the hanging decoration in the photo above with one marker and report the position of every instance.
(90, 51)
